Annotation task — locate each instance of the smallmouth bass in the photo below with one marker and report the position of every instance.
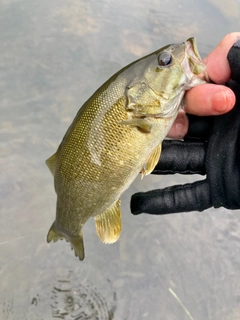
(115, 135)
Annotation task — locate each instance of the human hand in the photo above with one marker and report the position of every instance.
(211, 148)
(209, 99)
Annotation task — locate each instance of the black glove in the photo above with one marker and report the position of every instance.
(212, 148)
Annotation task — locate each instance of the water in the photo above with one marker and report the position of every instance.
(53, 55)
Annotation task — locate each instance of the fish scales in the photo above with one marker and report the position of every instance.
(116, 135)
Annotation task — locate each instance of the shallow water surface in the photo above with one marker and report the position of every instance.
(54, 55)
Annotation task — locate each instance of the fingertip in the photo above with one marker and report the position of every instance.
(222, 101)
(136, 203)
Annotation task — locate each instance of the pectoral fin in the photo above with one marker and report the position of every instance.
(143, 124)
(76, 241)
(151, 161)
(108, 223)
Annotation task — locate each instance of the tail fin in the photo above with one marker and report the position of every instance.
(53, 234)
(77, 246)
(76, 242)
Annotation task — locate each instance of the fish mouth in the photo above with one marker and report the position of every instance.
(194, 60)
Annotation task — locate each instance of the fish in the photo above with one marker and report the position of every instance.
(116, 135)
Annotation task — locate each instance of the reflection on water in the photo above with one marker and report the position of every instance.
(66, 298)
(71, 300)
(54, 55)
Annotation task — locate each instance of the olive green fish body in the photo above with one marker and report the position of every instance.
(115, 135)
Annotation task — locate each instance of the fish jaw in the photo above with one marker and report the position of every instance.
(193, 65)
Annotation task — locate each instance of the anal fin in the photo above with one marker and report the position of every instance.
(108, 223)
(151, 161)
(76, 241)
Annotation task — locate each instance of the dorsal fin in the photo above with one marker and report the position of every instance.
(108, 223)
(50, 162)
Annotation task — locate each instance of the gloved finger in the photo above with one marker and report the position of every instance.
(181, 157)
(234, 60)
(180, 198)
(199, 128)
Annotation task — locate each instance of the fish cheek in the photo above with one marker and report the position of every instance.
(167, 83)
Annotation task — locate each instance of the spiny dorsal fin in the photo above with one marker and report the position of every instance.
(108, 223)
(50, 162)
(151, 161)
(76, 241)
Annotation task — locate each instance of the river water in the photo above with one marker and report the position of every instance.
(53, 56)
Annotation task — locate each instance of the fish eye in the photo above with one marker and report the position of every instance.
(164, 59)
